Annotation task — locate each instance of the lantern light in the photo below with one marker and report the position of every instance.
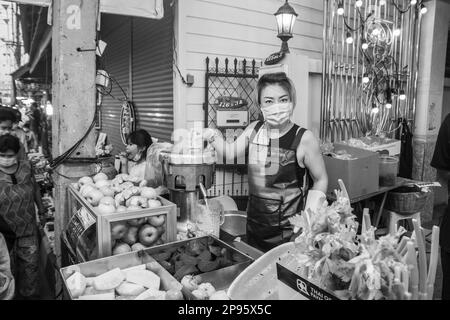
(375, 109)
(349, 38)
(397, 32)
(423, 9)
(413, 2)
(358, 3)
(365, 78)
(285, 16)
(402, 95)
(382, 2)
(340, 9)
(364, 45)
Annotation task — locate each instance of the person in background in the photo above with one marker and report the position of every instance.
(18, 131)
(441, 162)
(133, 159)
(30, 138)
(7, 284)
(19, 193)
(280, 157)
(35, 120)
(7, 119)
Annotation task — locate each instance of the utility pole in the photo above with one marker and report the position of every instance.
(74, 97)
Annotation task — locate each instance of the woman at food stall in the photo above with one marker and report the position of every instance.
(281, 155)
(133, 159)
(7, 122)
(18, 195)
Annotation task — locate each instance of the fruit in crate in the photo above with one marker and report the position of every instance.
(121, 248)
(118, 230)
(106, 205)
(85, 180)
(137, 201)
(137, 247)
(107, 191)
(136, 222)
(152, 203)
(102, 183)
(94, 196)
(148, 192)
(157, 221)
(99, 177)
(131, 236)
(148, 235)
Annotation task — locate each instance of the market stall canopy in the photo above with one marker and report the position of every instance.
(153, 9)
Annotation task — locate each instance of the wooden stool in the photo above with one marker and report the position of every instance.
(394, 218)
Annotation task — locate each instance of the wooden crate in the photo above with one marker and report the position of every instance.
(104, 222)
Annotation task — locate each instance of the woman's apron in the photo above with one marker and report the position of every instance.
(275, 190)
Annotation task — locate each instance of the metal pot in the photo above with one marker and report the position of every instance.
(235, 223)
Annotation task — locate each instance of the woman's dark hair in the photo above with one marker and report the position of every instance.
(9, 142)
(7, 114)
(142, 139)
(279, 78)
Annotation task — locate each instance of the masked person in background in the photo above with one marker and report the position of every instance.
(7, 284)
(8, 118)
(18, 131)
(19, 193)
(280, 157)
(31, 142)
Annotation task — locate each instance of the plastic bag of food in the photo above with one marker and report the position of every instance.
(153, 170)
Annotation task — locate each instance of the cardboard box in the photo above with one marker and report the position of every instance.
(360, 175)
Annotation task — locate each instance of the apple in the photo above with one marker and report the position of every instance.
(130, 236)
(121, 248)
(76, 186)
(174, 295)
(86, 189)
(102, 183)
(108, 201)
(120, 200)
(148, 192)
(85, 180)
(134, 208)
(121, 209)
(138, 246)
(161, 230)
(157, 221)
(94, 197)
(118, 230)
(148, 235)
(154, 203)
(137, 201)
(100, 176)
(136, 222)
(105, 209)
(126, 185)
(107, 191)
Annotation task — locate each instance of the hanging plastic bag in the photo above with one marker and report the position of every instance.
(153, 171)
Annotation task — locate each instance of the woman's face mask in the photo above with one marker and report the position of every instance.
(133, 152)
(276, 115)
(276, 105)
(8, 159)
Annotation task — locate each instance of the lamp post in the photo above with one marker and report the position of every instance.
(286, 16)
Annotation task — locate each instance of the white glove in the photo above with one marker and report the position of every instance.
(314, 200)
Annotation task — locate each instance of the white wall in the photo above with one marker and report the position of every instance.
(239, 29)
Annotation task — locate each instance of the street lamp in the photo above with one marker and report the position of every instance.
(286, 16)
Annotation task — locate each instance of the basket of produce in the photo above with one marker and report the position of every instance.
(130, 276)
(332, 261)
(406, 200)
(204, 265)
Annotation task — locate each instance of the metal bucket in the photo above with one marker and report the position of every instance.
(235, 223)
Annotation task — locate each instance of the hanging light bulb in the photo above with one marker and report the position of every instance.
(365, 78)
(340, 9)
(349, 38)
(382, 2)
(359, 3)
(413, 2)
(397, 32)
(375, 109)
(423, 9)
(388, 105)
(402, 95)
(364, 45)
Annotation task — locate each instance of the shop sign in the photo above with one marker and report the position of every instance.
(274, 58)
(302, 286)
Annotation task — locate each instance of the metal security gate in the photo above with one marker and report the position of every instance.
(152, 74)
